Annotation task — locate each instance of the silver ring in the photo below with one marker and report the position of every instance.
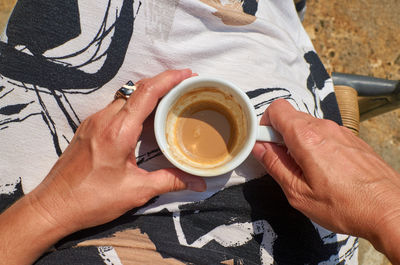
(125, 91)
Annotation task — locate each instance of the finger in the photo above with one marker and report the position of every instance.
(143, 101)
(171, 179)
(125, 91)
(301, 132)
(278, 163)
(145, 98)
(115, 106)
(112, 108)
(275, 159)
(281, 114)
(265, 119)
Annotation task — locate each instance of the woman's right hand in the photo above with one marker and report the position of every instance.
(96, 179)
(333, 177)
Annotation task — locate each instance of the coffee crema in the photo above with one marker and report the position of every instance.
(205, 131)
(205, 128)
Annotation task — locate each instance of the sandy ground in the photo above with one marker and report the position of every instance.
(359, 37)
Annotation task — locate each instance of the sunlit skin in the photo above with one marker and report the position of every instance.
(326, 172)
(79, 191)
(333, 177)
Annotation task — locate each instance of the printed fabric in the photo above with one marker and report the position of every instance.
(62, 60)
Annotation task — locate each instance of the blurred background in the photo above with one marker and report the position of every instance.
(356, 37)
(362, 37)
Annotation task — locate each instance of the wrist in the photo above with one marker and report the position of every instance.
(386, 238)
(27, 232)
(48, 214)
(385, 235)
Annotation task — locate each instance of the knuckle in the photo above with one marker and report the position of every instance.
(296, 200)
(140, 83)
(295, 193)
(329, 125)
(81, 127)
(166, 183)
(292, 197)
(293, 201)
(128, 109)
(133, 105)
(88, 122)
(272, 164)
(89, 126)
(308, 134)
(102, 130)
(147, 87)
(293, 126)
(111, 134)
(95, 121)
(176, 184)
(146, 90)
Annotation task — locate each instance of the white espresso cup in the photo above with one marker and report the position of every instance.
(190, 105)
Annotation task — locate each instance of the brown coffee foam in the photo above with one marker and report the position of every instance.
(203, 99)
(205, 132)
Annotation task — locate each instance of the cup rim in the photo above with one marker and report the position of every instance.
(185, 86)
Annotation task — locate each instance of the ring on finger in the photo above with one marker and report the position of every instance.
(125, 91)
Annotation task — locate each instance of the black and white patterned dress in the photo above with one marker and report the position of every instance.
(61, 61)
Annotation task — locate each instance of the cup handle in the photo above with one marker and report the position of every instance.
(268, 134)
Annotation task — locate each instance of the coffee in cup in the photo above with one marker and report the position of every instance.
(207, 126)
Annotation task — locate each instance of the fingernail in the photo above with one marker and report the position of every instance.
(198, 186)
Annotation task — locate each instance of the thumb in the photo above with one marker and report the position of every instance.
(278, 163)
(172, 179)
